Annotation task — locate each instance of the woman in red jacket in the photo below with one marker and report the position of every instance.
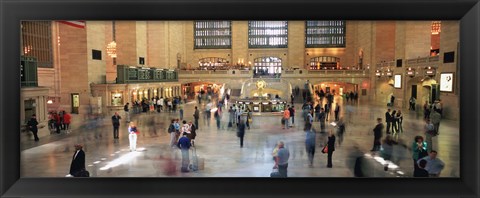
(66, 120)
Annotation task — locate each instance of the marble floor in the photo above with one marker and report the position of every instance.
(221, 153)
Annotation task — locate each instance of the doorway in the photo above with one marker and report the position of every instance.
(414, 91)
(75, 98)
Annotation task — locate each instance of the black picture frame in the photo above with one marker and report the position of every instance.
(12, 12)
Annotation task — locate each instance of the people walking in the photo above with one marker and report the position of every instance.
(196, 116)
(32, 126)
(429, 134)
(241, 131)
(426, 110)
(377, 135)
(412, 103)
(127, 112)
(435, 117)
(292, 115)
(217, 117)
(116, 124)
(394, 121)
(399, 118)
(310, 143)
(286, 118)
(337, 111)
(340, 130)
(322, 120)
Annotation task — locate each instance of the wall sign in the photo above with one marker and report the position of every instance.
(398, 81)
(446, 82)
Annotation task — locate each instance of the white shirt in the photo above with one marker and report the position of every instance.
(78, 151)
(161, 101)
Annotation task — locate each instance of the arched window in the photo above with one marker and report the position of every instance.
(267, 34)
(267, 66)
(213, 34)
(324, 62)
(37, 41)
(325, 34)
(210, 63)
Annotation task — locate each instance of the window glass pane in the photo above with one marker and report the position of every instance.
(325, 34)
(212, 34)
(267, 34)
(36, 41)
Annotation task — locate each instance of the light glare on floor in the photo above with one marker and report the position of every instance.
(121, 160)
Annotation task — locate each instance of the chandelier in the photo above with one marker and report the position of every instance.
(112, 49)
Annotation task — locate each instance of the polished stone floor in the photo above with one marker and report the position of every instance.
(220, 149)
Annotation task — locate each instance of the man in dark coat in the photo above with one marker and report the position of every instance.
(116, 123)
(196, 116)
(388, 119)
(78, 161)
(337, 110)
(32, 126)
(331, 148)
(377, 133)
(241, 131)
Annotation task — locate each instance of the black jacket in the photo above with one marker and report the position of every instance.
(78, 163)
(377, 131)
(116, 120)
(388, 117)
(32, 124)
(331, 143)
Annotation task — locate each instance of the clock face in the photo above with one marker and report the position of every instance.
(261, 84)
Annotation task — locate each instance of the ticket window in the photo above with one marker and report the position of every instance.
(117, 98)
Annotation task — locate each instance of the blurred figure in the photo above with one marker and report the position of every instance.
(429, 133)
(193, 133)
(426, 110)
(435, 117)
(388, 119)
(32, 126)
(66, 121)
(241, 131)
(127, 114)
(434, 165)
(281, 160)
(322, 120)
(180, 109)
(337, 111)
(387, 151)
(78, 161)
(286, 117)
(132, 137)
(217, 117)
(196, 116)
(331, 148)
(399, 118)
(377, 135)
(340, 130)
(310, 143)
(172, 132)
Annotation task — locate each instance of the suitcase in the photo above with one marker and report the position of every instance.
(275, 173)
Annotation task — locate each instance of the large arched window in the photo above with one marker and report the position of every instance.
(267, 34)
(267, 66)
(213, 35)
(211, 63)
(37, 41)
(324, 62)
(325, 34)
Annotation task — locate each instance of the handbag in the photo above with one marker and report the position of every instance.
(325, 149)
(275, 173)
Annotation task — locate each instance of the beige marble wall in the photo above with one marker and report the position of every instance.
(95, 41)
